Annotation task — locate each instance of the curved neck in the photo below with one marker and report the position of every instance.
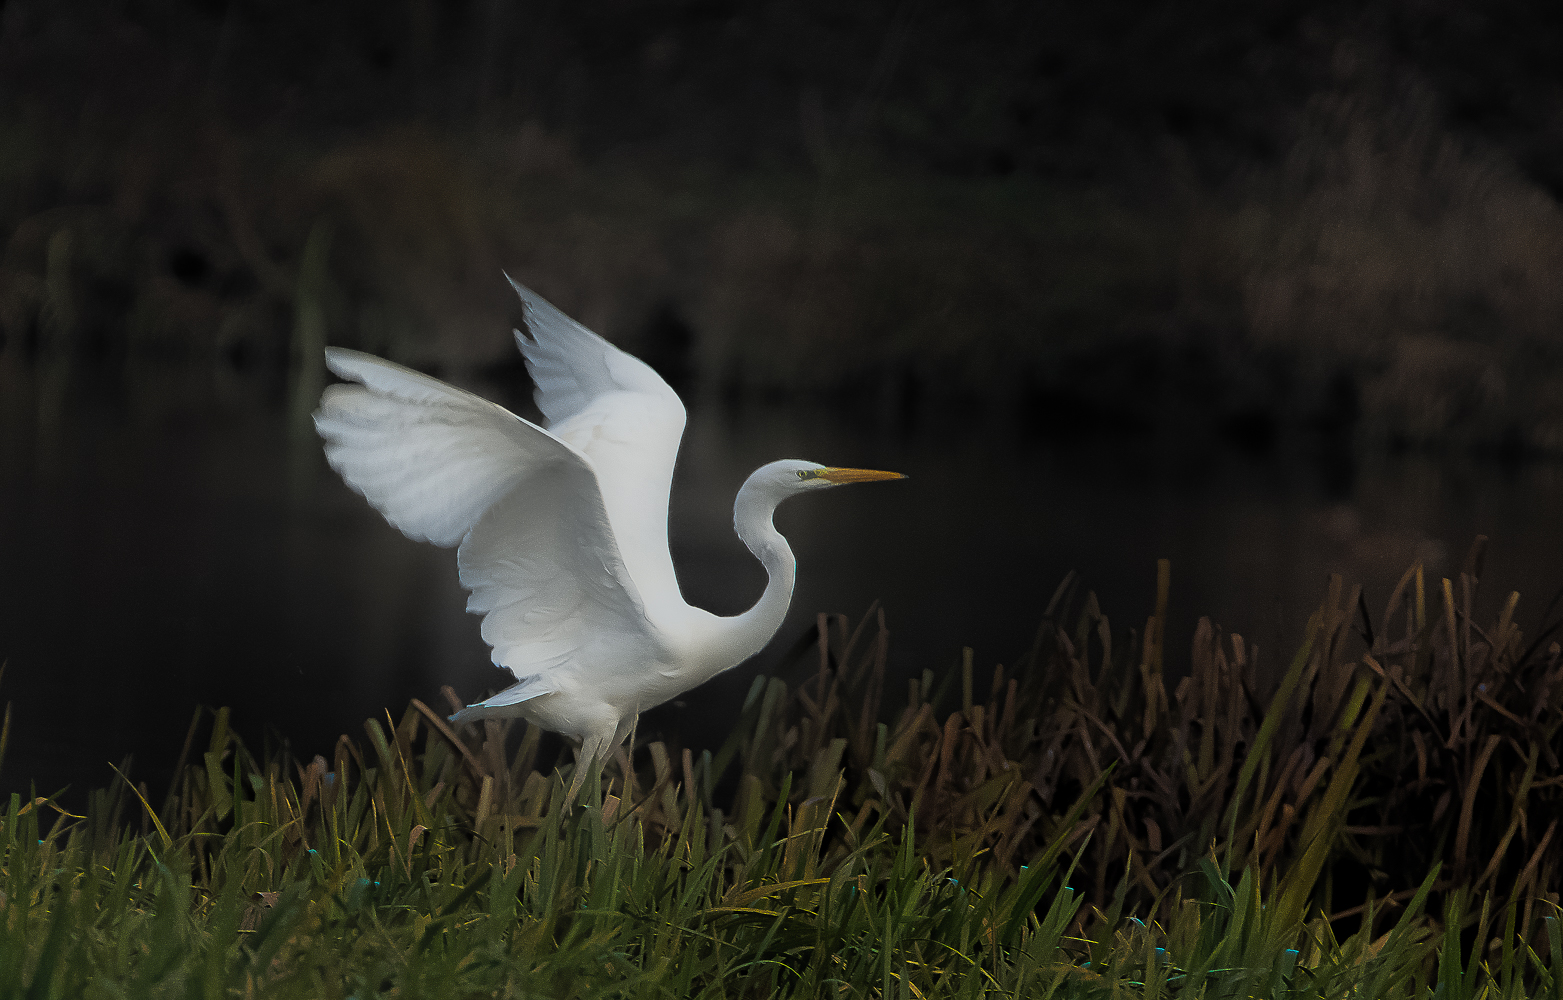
(744, 635)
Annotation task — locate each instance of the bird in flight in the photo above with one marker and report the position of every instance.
(561, 530)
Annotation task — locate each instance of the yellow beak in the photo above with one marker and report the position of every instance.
(857, 475)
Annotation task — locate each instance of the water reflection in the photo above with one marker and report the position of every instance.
(166, 540)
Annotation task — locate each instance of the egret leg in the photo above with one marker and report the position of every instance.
(593, 749)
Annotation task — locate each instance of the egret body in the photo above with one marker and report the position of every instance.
(561, 529)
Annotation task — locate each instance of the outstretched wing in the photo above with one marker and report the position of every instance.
(619, 413)
(449, 467)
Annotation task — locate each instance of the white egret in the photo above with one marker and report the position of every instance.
(562, 529)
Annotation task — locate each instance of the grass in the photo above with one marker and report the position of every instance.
(1066, 828)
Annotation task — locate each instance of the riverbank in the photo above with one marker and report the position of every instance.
(1356, 827)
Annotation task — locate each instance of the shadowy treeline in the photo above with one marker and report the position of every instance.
(990, 87)
(1269, 220)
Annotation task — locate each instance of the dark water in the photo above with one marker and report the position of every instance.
(171, 536)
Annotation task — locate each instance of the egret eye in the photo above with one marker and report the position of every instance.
(808, 473)
(803, 474)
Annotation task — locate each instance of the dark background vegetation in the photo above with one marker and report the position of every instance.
(1316, 232)
(1258, 217)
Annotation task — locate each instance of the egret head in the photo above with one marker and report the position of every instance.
(791, 476)
(770, 484)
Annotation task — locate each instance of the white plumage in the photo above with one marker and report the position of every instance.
(562, 531)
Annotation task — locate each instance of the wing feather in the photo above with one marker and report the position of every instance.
(536, 547)
(613, 408)
(430, 457)
(571, 366)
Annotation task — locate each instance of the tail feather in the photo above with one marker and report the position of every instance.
(502, 705)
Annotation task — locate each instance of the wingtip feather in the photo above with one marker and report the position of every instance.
(350, 364)
(529, 298)
(338, 359)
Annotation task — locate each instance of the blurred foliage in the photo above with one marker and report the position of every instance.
(1262, 219)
